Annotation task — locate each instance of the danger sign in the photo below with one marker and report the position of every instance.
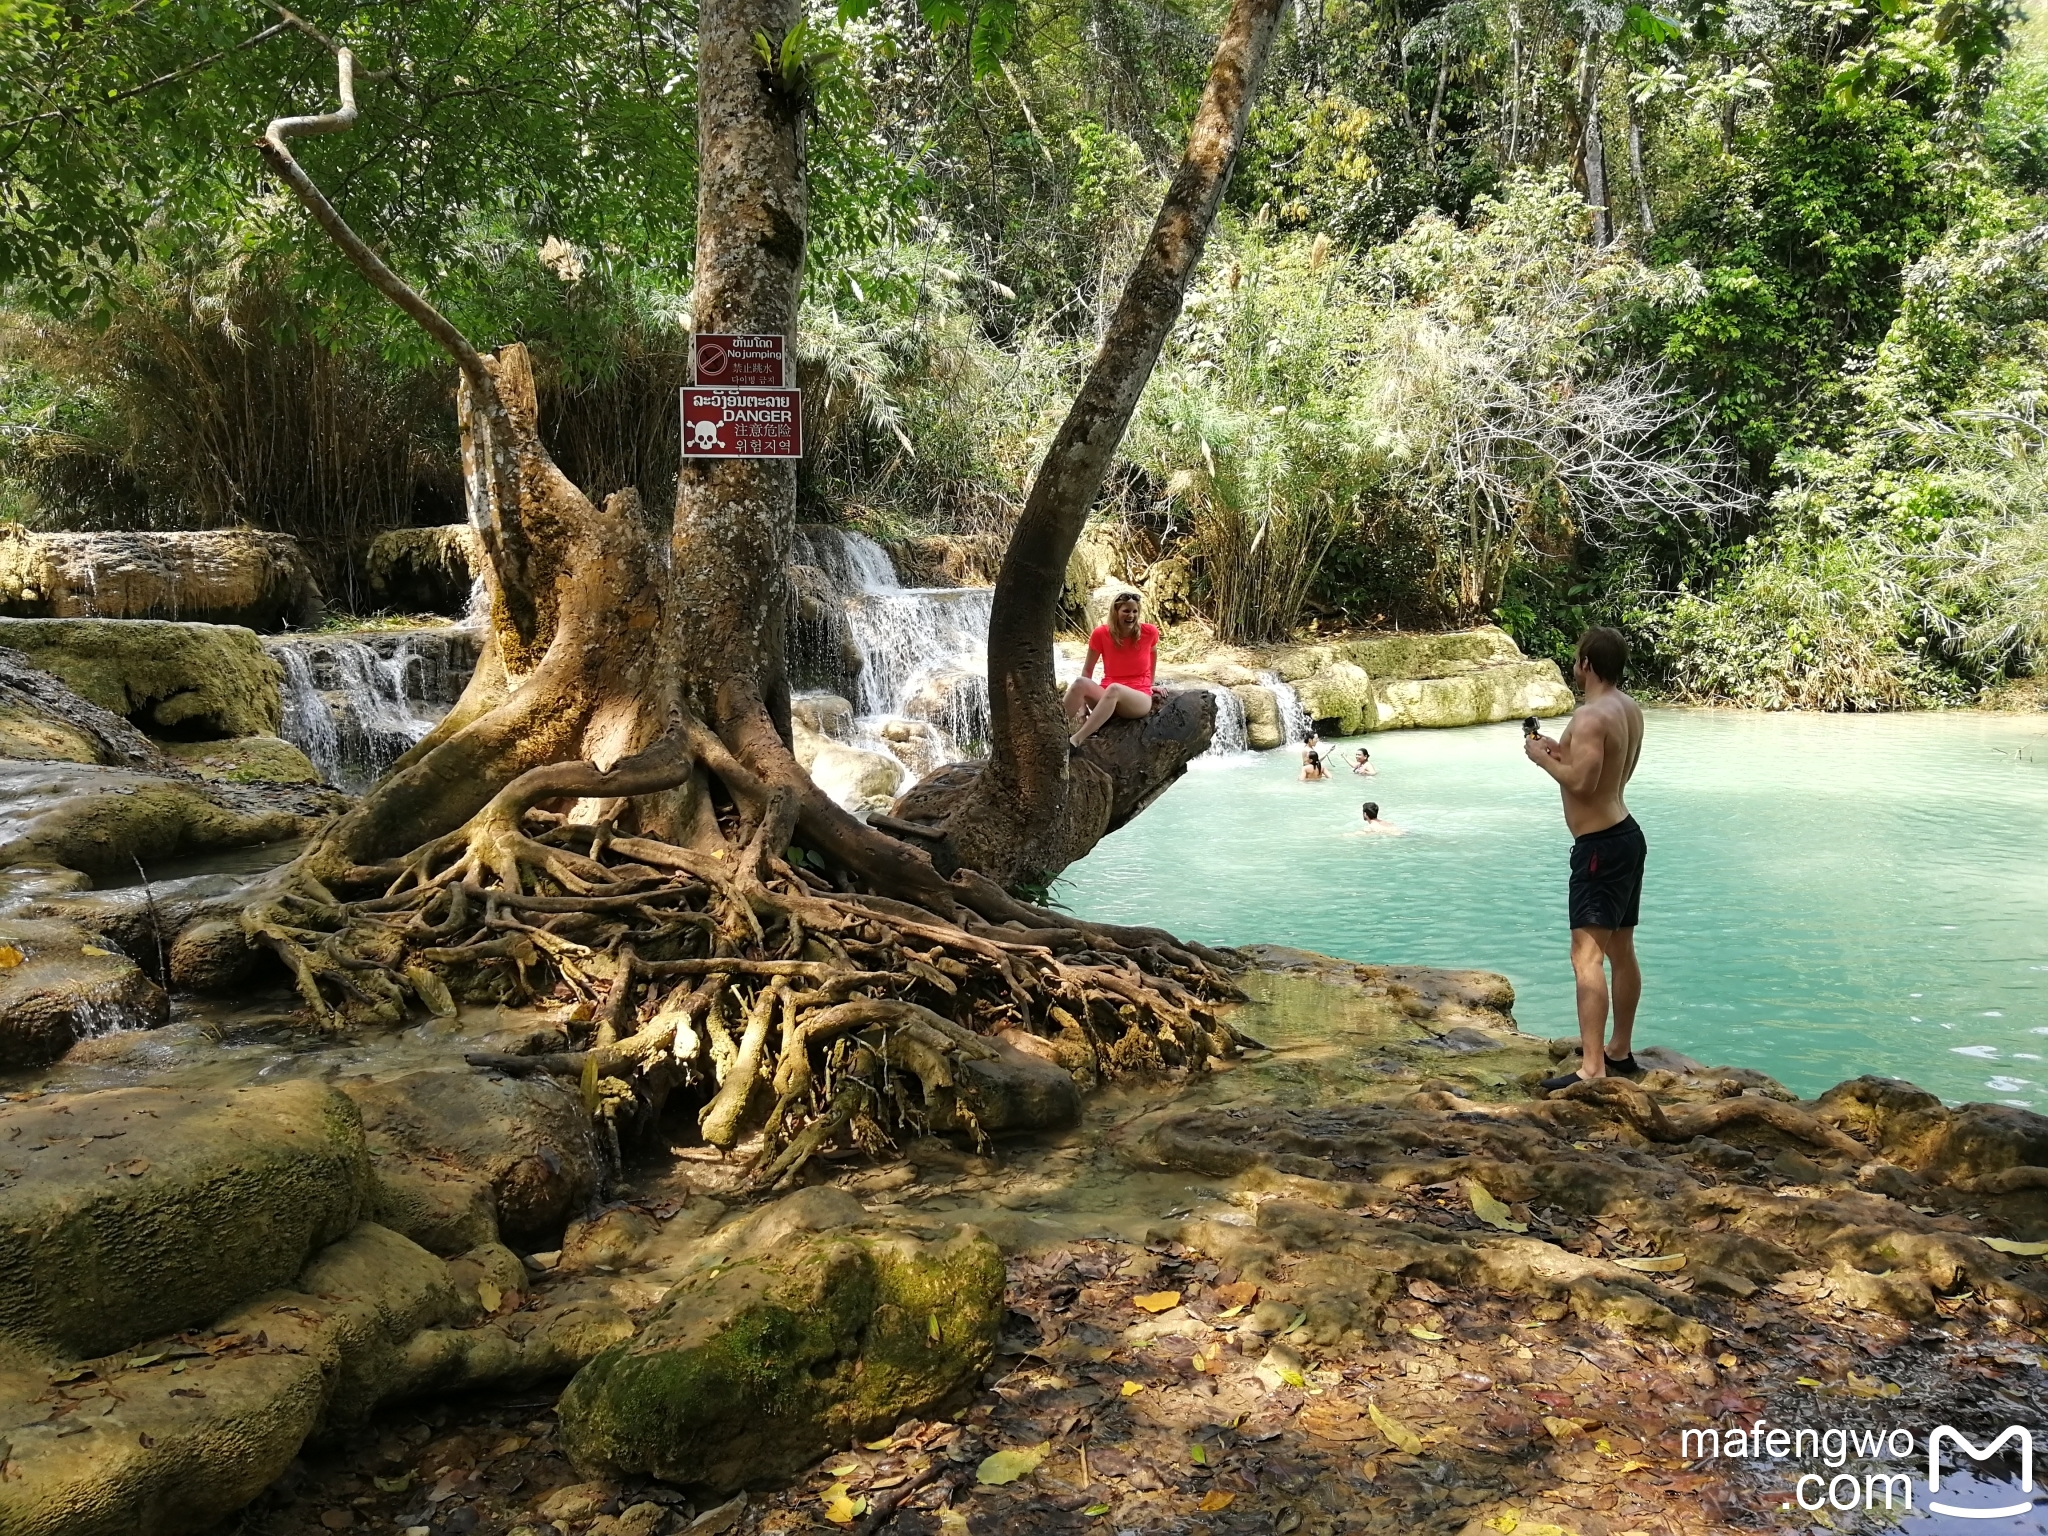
(743, 424)
(740, 362)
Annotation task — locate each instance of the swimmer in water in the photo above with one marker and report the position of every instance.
(1374, 826)
(1312, 767)
(1361, 764)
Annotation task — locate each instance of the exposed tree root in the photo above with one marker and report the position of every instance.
(798, 1004)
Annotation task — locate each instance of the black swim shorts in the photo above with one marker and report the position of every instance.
(1607, 876)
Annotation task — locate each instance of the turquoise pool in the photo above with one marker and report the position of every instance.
(1826, 896)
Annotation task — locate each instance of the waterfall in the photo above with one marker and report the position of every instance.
(354, 704)
(1293, 718)
(1230, 738)
(901, 653)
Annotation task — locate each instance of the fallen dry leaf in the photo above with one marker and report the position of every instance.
(1133, 1388)
(488, 1295)
(1215, 1499)
(1157, 1301)
(1238, 1296)
(1490, 1210)
(1662, 1265)
(94, 951)
(1008, 1466)
(2007, 1245)
(842, 1508)
(10, 957)
(1564, 1429)
(1399, 1435)
(1416, 1330)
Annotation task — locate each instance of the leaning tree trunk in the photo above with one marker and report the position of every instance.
(610, 819)
(1034, 809)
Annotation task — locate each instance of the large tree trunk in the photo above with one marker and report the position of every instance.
(611, 817)
(1592, 144)
(1033, 809)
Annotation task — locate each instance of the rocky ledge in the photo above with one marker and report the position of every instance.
(1362, 1279)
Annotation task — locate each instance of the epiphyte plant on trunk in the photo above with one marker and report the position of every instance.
(611, 816)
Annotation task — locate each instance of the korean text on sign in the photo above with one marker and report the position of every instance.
(742, 424)
(740, 362)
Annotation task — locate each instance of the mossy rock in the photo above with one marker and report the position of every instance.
(60, 983)
(188, 680)
(1482, 697)
(183, 1204)
(103, 820)
(1425, 655)
(754, 1368)
(248, 760)
(1340, 691)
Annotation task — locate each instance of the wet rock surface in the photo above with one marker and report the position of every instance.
(43, 720)
(222, 576)
(62, 982)
(1361, 1280)
(425, 570)
(173, 679)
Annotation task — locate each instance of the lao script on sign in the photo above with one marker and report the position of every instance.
(742, 424)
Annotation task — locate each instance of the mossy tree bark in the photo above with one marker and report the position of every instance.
(611, 815)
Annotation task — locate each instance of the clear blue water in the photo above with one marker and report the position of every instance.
(1826, 895)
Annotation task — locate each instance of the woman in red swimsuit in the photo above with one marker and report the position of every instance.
(1129, 652)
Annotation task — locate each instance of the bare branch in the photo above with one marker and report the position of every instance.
(387, 282)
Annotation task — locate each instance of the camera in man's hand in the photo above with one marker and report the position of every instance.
(1530, 727)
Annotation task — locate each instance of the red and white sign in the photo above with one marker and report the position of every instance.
(743, 424)
(740, 362)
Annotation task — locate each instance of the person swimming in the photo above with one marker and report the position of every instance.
(1361, 763)
(1374, 826)
(1312, 767)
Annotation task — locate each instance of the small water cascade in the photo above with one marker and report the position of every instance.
(911, 660)
(1231, 737)
(1293, 718)
(354, 704)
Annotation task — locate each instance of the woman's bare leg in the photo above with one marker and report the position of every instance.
(1127, 703)
(1083, 694)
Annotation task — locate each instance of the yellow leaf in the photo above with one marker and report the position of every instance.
(1292, 1377)
(94, 951)
(1662, 1265)
(1399, 1435)
(1216, 1499)
(1157, 1301)
(1490, 1210)
(1505, 1521)
(10, 957)
(951, 1521)
(1096, 1509)
(1230, 1312)
(1727, 1362)
(2007, 1245)
(1420, 1332)
(396, 1484)
(1808, 1381)
(841, 1508)
(1563, 1429)
(1871, 1386)
(1008, 1466)
(882, 1444)
(488, 1295)
(931, 1327)
(846, 1469)
(1133, 1388)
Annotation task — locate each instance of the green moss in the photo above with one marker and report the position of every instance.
(189, 680)
(248, 760)
(753, 1370)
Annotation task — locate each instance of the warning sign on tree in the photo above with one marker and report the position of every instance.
(740, 362)
(743, 424)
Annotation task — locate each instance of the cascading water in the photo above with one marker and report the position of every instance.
(1293, 718)
(354, 704)
(917, 656)
(1231, 737)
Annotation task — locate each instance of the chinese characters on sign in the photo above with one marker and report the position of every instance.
(738, 407)
(742, 424)
(740, 362)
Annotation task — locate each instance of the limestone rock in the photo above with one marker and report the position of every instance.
(104, 820)
(854, 776)
(246, 760)
(221, 576)
(181, 1205)
(823, 714)
(1263, 728)
(1101, 556)
(948, 560)
(1505, 692)
(42, 720)
(523, 1145)
(1341, 691)
(425, 570)
(773, 1352)
(186, 680)
(66, 985)
(1169, 591)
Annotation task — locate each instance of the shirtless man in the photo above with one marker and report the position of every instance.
(1591, 762)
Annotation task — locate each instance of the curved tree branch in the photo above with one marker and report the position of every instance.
(279, 157)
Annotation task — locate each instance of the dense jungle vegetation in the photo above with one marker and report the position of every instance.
(1727, 323)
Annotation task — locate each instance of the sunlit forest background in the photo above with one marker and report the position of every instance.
(1724, 323)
